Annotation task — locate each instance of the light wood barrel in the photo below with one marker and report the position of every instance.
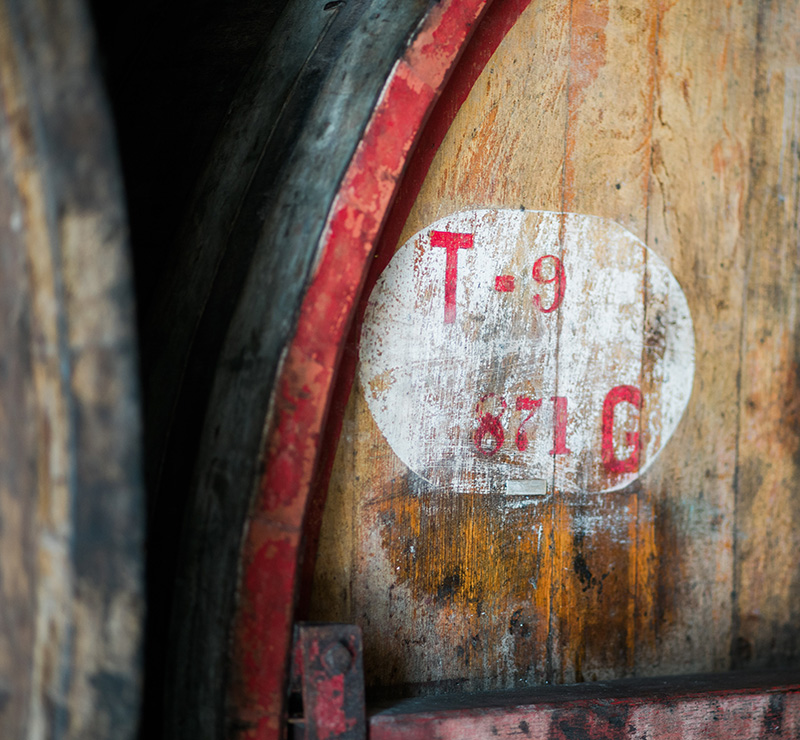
(568, 445)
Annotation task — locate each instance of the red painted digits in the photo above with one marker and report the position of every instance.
(559, 426)
(489, 425)
(559, 278)
(618, 394)
(525, 404)
(452, 242)
(504, 283)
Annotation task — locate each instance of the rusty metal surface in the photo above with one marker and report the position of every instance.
(305, 226)
(328, 671)
(292, 444)
(746, 706)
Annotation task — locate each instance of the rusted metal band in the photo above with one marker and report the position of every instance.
(309, 229)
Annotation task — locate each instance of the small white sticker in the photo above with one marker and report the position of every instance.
(504, 348)
(536, 487)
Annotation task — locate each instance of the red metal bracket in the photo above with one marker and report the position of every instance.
(327, 683)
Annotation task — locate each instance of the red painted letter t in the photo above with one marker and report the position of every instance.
(452, 242)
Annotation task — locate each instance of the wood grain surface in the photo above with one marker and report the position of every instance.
(679, 121)
(71, 501)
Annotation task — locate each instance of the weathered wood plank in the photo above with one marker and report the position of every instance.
(71, 501)
(703, 108)
(767, 585)
(606, 167)
(18, 463)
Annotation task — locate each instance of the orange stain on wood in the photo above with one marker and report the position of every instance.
(587, 46)
(587, 57)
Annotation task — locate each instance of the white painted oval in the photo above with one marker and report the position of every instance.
(623, 322)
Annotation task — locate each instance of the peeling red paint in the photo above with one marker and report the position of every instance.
(268, 566)
(669, 712)
(588, 47)
(559, 278)
(271, 550)
(330, 709)
(587, 58)
(504, 283)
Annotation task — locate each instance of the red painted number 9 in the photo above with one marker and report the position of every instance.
(559, 279)
(489, 426)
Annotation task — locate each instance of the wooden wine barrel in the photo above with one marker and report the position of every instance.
(297, 190)
(559, 443)
(71, 519)
(568, 451)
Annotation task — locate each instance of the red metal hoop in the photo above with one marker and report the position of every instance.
(273, 541)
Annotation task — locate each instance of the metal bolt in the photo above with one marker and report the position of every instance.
(337, 658)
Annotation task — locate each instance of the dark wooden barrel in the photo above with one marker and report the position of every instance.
(519, 404)
(71, 499)
(318, 136)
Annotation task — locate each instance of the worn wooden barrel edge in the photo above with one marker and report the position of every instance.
(208, 694)
(273, 544)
